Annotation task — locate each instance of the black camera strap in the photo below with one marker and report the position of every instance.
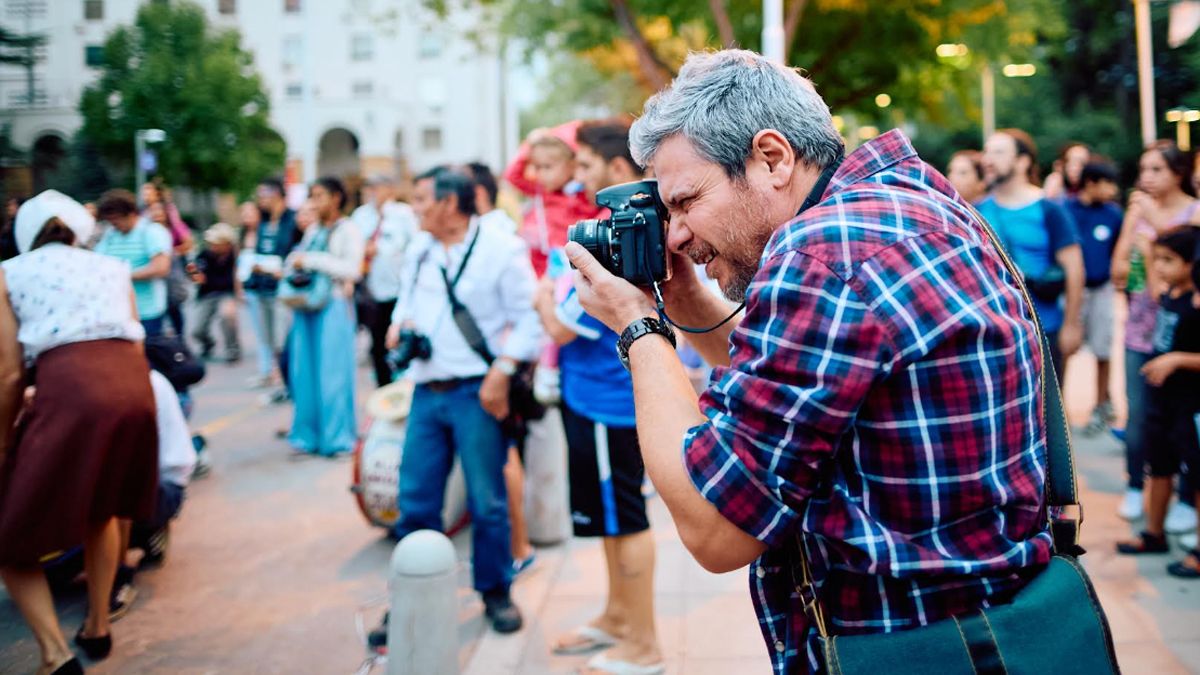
(459, 312)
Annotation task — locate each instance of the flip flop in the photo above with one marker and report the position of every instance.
(1182, 570)
(615, 667)
(593, 639)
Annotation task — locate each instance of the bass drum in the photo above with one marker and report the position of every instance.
(376, 478)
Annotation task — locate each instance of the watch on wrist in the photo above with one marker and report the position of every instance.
(506, 366)
(644, 326)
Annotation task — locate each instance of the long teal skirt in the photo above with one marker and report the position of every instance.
(321, 370)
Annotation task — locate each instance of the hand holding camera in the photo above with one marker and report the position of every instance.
(407, 346)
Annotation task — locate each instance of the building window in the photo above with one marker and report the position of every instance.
(227, 6)
(293, 51)
(431, 138)
(294, 91)
(93, 10)
(291, 6)
(93, 56)
(362, 47)
(363, 89)
(430, 46)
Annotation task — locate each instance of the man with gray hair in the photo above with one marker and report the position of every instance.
(877, 404)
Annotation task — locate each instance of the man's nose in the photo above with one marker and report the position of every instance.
(678, 234)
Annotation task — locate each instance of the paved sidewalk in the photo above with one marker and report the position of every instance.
(271, 565)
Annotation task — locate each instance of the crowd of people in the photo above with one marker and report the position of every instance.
(482, 315)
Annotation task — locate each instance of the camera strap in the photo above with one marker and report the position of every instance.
(459, 312)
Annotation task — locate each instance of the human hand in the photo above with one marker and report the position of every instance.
(493, 394)
(543, 297)
(1120, 274)
(1159, 369)
(612, 300)
(298, 261)
(392, 340)
(1140, 204)
(1070, 339)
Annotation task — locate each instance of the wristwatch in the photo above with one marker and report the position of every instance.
(506, 366)
(644, 326)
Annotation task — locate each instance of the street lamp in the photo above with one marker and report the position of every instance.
(1183, 118)
(140, 160)
(1020, 70)
(883, 100)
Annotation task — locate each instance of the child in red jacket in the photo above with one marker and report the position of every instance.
(544, 169)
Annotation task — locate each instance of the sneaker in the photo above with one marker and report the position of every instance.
(156, 548)
(259, 382)
(1131, 505)
(1101, 419)
(1181, 518)
(524, 564)
(275, 397)
(377, 638)
(499, 609)
(123, 594)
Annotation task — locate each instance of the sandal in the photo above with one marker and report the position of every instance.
(606, 665)
(592, 639)
(1183, 570)
(1145, 543)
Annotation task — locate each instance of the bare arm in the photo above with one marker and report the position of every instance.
(158, 268)
(12, 370)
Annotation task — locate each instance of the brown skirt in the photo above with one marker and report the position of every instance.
(86, 450)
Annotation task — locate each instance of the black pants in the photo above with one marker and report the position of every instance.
(380, 322)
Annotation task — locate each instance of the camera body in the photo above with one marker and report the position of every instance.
(632, 242)
(412, 346)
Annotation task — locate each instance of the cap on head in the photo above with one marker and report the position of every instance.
(33, 214)
(220, 233)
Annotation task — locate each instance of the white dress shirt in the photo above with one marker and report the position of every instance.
(497, 287)
(395, 231)
(499, 218)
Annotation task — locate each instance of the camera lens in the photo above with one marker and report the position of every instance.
(596, 237)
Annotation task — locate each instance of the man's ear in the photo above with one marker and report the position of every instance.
(774, 155)
(621, 171)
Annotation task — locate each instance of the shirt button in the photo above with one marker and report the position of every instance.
(760, 573)
(779, 646)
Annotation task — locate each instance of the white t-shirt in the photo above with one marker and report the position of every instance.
(499, 218)
(62, 294)
(176, 454)
(398, 228)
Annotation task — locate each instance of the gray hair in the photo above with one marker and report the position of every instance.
(720, 100)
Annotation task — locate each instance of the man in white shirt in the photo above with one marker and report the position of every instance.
(387, 226)
(460, 399)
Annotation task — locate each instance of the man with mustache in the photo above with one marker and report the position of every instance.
(877, 403)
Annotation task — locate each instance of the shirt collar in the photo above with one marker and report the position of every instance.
(870, 158)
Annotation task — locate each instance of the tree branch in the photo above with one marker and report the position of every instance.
(724, 25)
(791, 23)
(653, 69)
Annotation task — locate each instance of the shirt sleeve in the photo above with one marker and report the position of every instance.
(1060, 225)
(517, 286)
(802, 362)
(159, 241)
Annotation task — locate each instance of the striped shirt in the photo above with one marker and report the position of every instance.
(138, 247)
(882, 400)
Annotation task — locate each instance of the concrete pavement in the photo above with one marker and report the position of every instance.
(271, 568)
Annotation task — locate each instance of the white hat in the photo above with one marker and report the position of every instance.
(220, 233)
(33, 214)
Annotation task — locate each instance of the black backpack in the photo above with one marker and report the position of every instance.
(169, 355)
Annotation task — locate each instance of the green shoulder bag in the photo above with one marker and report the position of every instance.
(1055, 624)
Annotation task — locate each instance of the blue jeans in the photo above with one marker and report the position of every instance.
(1136, 394)
(262, 310)
(440, 424)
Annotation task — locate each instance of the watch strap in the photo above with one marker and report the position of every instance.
(640, 328)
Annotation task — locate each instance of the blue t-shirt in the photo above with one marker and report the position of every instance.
(1033, 235)
(138, 247)
(593, 381)
(1098, 226)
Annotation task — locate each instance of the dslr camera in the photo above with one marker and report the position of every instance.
(413, 346)
(631, 244)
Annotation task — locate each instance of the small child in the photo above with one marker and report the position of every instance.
(1171, 429)
(215, 272)
(548, 157)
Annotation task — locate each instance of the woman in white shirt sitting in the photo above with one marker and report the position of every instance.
(321, 345)
(85, 451)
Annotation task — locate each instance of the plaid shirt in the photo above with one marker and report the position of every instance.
(883, 399)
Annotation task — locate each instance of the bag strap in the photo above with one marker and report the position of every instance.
(459, 312)
(1061, 490)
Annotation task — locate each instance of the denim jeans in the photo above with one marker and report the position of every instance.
(440, 424)
(262, 308)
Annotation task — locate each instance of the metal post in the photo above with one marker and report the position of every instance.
(1183, 135)
(139, 149)
(423, 619)
(772, 33)
(987, 83)
(1145, 57)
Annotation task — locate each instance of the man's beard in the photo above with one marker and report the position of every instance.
(748, 228)
(1001, 179)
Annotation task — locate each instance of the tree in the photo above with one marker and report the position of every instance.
(171, 71)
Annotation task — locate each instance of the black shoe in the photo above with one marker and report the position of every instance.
(1145, 543)
(500, 610)
(71, 667)
(156, 549)
(377, 639)
(96, 648)
(123, 594)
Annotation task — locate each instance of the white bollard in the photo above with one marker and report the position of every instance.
(547, 505)
(423, 624)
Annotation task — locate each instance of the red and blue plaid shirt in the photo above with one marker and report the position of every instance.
(883, 400)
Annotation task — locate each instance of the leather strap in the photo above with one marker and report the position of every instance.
(981, 644)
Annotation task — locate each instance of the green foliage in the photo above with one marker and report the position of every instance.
(171, 71)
